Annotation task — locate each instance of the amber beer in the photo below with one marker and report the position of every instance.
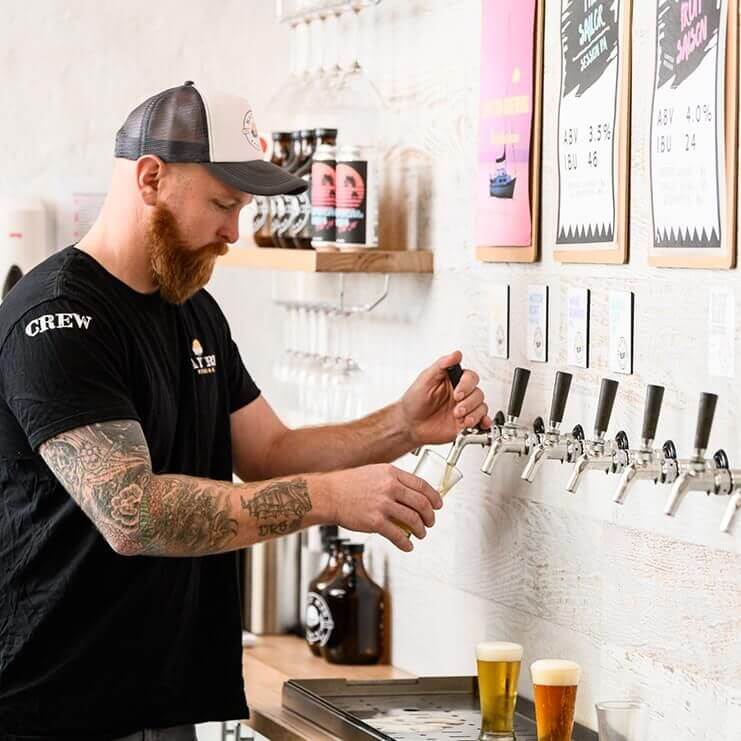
(555, 682)
(499, 671)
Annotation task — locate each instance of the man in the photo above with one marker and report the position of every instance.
(125, 408)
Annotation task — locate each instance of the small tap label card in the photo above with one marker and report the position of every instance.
(499, 323)
(537, 323)
(622, 305)
(722, 333)
(577, 316)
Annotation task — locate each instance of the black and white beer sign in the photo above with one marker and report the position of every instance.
(688, 134)
(590, 130)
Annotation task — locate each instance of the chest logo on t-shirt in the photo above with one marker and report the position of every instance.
(45, 322)
(202, 364)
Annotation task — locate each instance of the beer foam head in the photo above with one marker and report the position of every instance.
(498, 651)
(555, 673)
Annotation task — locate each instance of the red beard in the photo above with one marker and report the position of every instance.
(179, 270)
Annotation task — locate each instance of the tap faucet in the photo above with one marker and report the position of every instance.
(733, 506)
(711, 476)
(512, 437)
(646, 463)
(600, 454)
(475, 436)
(550, 443)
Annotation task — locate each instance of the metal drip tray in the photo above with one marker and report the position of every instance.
(402, 709)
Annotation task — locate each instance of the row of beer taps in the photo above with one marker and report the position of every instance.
(646, 462)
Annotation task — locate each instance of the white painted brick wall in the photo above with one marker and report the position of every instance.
(650, 606)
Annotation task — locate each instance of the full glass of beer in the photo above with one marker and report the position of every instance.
(555, 682)
(499, 671)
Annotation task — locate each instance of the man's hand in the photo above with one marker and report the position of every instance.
(434, 412)
(380, 498)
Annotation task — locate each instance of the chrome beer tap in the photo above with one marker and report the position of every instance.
(475, 436)
(551, 443)
(711, 476)
(512, 437)
(600, 454)
(647, 463)
(733, 506)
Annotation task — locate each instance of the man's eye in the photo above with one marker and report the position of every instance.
(221, 206)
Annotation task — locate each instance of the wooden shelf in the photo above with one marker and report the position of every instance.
(310, 261)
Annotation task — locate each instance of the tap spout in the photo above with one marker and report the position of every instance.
(534, 463)
(626, 481)
(681, 486)
(492, 456)
(580, 467)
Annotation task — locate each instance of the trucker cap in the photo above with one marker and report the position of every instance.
(215, 129)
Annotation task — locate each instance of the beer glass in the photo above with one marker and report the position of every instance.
(434, 469)
(498, 666)
(622, 720)
(555, 682)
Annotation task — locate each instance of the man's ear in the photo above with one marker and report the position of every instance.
(149, 174)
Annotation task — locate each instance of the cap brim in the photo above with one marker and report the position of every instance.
(258, 176)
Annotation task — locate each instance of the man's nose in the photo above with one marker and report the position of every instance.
(229, 231)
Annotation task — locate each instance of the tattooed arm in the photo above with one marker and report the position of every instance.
(107, 469)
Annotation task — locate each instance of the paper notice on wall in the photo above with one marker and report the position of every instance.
(621, 332)
(77, 201)
(721, 333)
(85, 209)
(499, 323)
(537, 323)
(577, 316)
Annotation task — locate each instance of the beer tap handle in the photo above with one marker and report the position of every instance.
(607, 394)
(455, 373)
(705, 416)
(651, 412)
(561, 390)
(517, 394)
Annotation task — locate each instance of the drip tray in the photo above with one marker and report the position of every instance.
(428, 708)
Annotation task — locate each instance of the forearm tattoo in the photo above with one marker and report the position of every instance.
(107, 469)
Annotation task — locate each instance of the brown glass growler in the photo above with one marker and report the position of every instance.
(316, 606)
(261, 222)
(301, 231)
(291, 203)
(356, 611)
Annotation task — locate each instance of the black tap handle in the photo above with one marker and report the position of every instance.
(651, 412)
(561, 390)
(499, 419)
(517, 394)
(455, 372)
(607, 394)
(705, 420)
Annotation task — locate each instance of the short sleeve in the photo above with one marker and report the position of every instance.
(61, 367)
(242, 389)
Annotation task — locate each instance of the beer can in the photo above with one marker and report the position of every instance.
(323, 196)
(356, 215)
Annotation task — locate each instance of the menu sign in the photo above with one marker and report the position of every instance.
(592, 131)
(688, 134)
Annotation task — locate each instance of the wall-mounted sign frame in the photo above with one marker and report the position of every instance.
(510, 131)
(694, 122)
(594, 132)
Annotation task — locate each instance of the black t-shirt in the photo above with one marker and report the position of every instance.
(94, 645)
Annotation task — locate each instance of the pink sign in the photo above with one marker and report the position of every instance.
(503, 212)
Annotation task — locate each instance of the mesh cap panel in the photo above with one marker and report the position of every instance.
(171, 125)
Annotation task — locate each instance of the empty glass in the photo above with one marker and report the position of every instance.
(622, 720)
